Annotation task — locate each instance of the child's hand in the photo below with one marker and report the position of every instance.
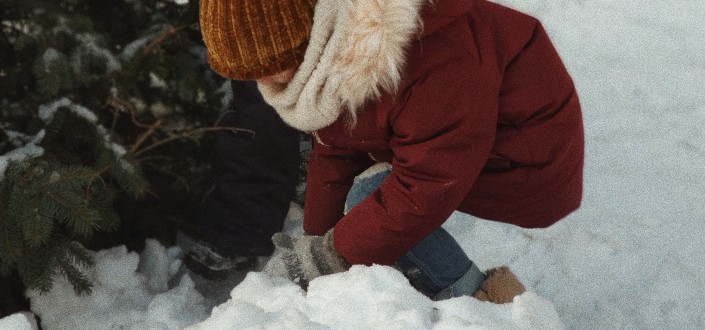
(307, 257)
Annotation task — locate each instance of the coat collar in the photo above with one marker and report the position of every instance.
(357, 52)
(439, 13)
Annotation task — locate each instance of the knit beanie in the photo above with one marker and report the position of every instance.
(251, 39)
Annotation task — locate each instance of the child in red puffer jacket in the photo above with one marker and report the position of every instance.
(455, 105)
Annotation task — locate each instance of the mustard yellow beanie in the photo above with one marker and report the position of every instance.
(251, 39)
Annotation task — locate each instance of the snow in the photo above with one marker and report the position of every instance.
(90, 46)
(374, 297)
(24, 153)
(50, 55)
(157, 82)
(148, 291)
(19, 321)
(633, 257)
(47, 111)
(180, 2)
(123, 297)
(132, 49)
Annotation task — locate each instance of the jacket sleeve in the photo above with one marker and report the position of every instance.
(442, 136)
(330, 175)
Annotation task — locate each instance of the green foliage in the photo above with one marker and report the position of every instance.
(83, 49)
(52, 202)
(99, 87)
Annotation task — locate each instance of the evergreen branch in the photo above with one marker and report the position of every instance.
(80, 173)
(126, 173)
(7, 248)
(7, 255)
(37, 277)
(78, 217)
(52, 56)
(10, 226)
(190, 135)
(81, 284)
(102, 202)
(39, 225)
(38, 268)
(129, 177)
(79, 254)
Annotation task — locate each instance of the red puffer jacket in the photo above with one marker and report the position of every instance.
(486, 121)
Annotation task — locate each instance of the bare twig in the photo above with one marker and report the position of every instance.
(188, 134)
(163, 36)
(143, 137)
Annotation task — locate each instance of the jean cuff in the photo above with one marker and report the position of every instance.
(466, 285)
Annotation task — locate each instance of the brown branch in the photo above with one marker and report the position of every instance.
(135, 121)
(125, 106)
(143, 137)
(189, 134)
(157, 40)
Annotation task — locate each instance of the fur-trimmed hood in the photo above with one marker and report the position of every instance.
(356, 52)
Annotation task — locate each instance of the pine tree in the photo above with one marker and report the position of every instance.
(90, 94)
(56, 197)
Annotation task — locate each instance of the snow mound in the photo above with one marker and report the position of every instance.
(131, 291)
(19, 321)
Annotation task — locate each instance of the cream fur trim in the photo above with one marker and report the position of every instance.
(356, 52)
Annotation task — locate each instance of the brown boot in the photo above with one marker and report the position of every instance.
(500, 286)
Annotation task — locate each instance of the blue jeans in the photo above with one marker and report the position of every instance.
(437, 266)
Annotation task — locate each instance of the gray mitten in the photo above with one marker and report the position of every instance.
(307, 257)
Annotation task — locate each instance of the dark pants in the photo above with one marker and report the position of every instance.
(255, 177)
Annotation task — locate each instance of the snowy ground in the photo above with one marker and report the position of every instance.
(633, 257)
